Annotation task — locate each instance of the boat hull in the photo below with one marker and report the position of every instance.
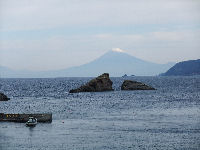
(31, 124)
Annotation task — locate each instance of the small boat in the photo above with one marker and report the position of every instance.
(31, 122)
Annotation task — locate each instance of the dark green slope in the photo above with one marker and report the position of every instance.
(185, 68)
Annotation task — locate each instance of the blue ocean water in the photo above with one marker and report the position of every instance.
(167, 118)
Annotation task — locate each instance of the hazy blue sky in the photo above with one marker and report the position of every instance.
(56, 34)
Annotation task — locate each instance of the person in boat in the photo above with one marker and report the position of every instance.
(31, 121)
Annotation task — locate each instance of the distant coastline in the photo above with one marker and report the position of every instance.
(185, 68)
(115, 63)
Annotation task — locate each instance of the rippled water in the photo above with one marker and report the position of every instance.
(167, 118)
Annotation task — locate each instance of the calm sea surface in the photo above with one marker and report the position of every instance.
(167, 118)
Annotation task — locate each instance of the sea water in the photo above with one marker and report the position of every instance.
(166, 118)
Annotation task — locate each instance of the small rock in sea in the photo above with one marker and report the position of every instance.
(99, 84)
(134, 85)
(125, 75)
(3, 97)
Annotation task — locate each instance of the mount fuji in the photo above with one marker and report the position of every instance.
(113, 62)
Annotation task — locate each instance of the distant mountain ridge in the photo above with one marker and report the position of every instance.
(118, 64)
(185, 68)
(114, 63)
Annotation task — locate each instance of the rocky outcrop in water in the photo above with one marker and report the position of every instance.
(124, 76)
(99, 84)
(3, 97)
(134, 85)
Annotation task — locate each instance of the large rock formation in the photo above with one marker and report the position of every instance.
(134, 85)
(3, 97)
(99, 84)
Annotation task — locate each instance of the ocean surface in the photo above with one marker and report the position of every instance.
(165, 119)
